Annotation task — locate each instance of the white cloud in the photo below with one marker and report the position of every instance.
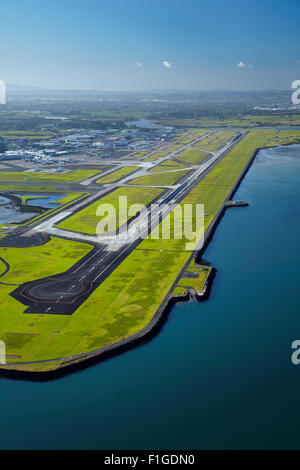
(243, 65)
(138, 64)
(167, 64)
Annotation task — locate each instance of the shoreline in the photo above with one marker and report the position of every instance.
(24, 207)
(79, 362)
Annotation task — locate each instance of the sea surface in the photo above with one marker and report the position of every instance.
(219, 374)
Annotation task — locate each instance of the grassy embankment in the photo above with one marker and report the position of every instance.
(127, 300)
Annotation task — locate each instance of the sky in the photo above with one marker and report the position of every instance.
(150, 44)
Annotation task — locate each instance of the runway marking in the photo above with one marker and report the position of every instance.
(90, 257)
(195, 176)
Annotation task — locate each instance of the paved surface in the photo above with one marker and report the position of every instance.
(63, 293)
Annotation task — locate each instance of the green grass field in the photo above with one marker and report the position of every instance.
(192, 156)
(86, 220)
(54, 257)
(179, 291)
(163, 179)
(173, 147)
(140, 154)
(196, 283)
(117, 175)
(155, 156)
(215, 141)
(70, 197)
(17, 176)
(189, 137)
(29, 135)
(29, 187)
(6, 187)
(69, 177)
(168, 165)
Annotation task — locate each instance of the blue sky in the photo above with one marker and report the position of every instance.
(150, 44)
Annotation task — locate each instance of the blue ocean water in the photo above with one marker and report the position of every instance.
(219, 374)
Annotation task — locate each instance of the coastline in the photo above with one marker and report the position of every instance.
(72, 364)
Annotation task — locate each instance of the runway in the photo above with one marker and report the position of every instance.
(63, 293)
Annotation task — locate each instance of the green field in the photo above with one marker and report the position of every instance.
(155, 156)
(117, 175)
(189, 137)
(28, 135)
(192, 156)
(17, 176)
(54, 257)
(179, 291)
(168, 165)
(28, 187)
(215, 141)
(86, 220)
(173, 147)
(161, 179)
(69, 177)
(196, 283)
(6, 187)
(140, 154)
(70, 197)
